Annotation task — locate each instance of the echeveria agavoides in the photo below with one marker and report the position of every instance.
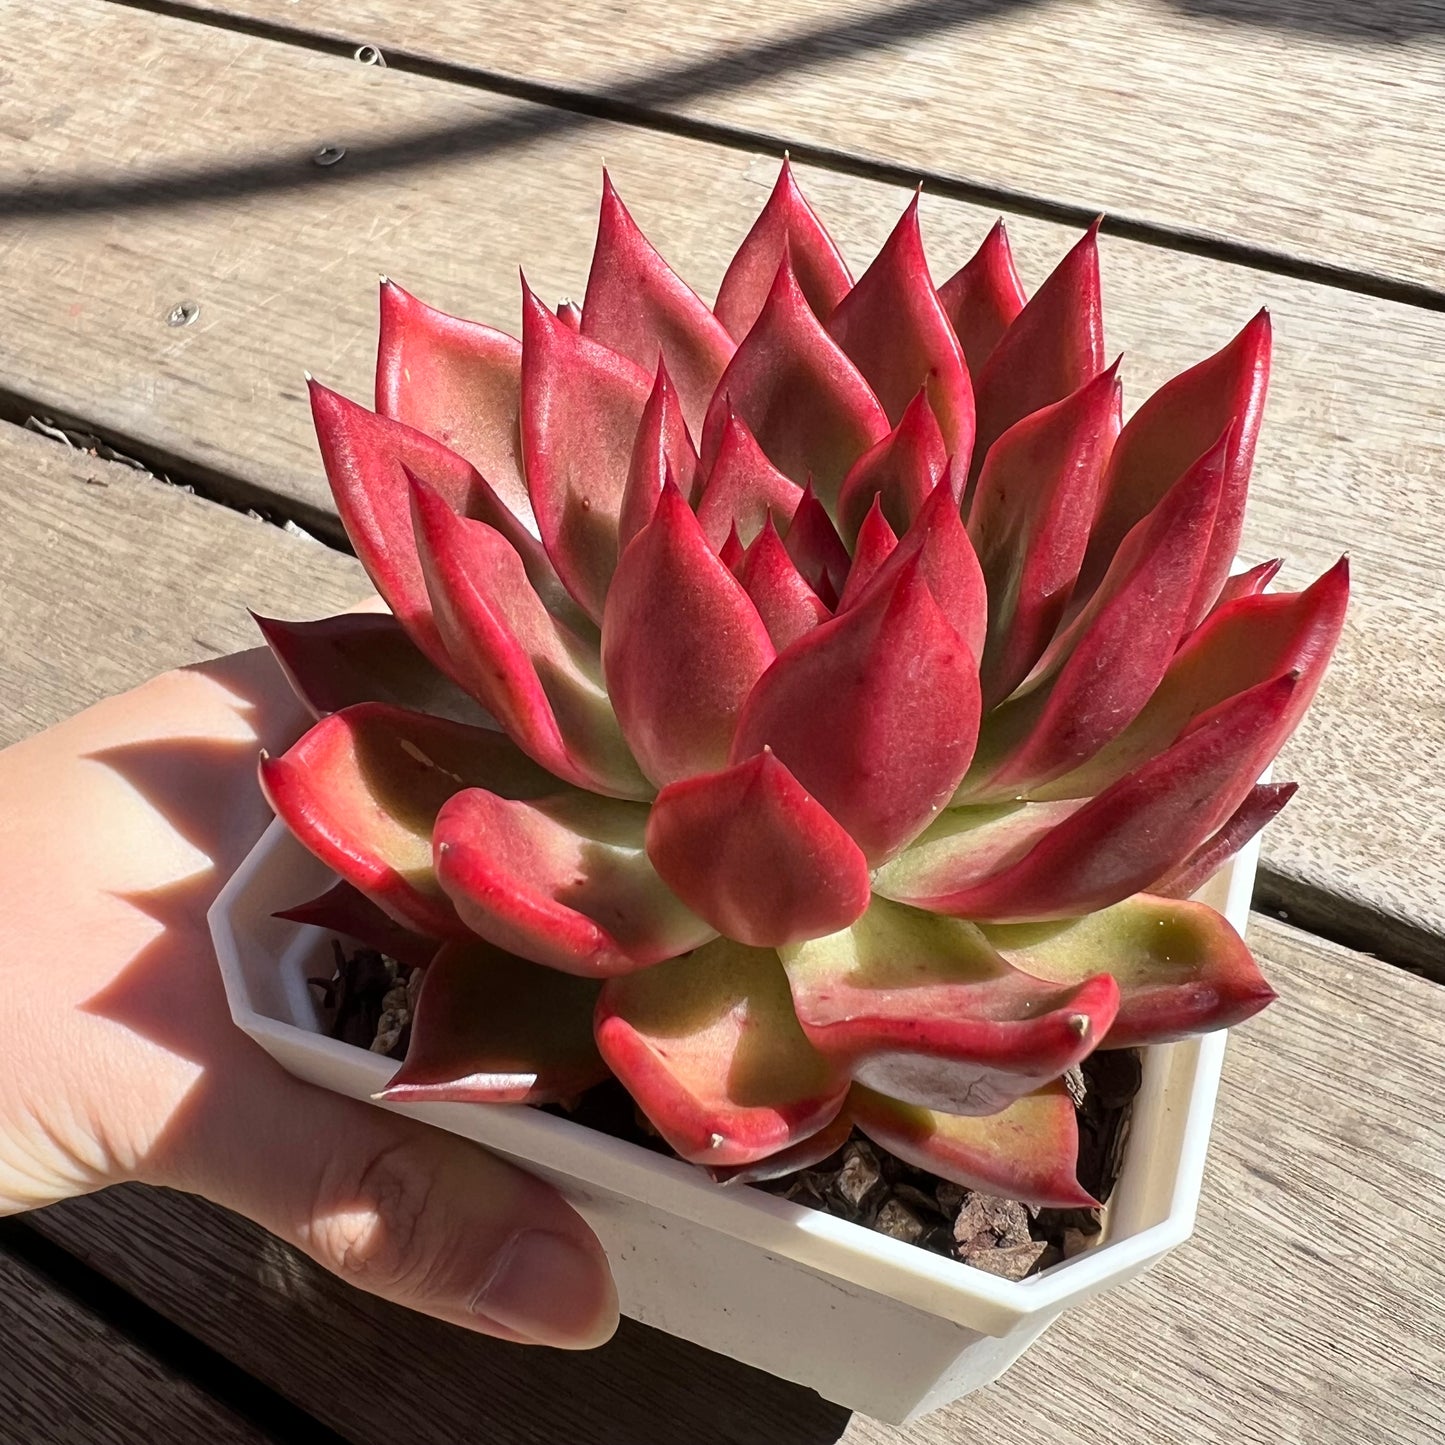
(814, 709)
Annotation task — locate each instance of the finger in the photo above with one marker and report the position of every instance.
(408, 1212)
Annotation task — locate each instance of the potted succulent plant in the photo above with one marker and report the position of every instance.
(819, 714)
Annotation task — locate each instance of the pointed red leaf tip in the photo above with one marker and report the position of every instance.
(1165, 437)
(362, 657)
(894, 328)
(875, 713)
(785, 602)
(1053, 346)
(751, 852)
(805, 402)
(1181, 968)
(1141, 827)
(639, 306)
(815, 546)
(345, 910)
(561, 881)
(582, 404)
(788, 224)
(1261, 807)
(982, 299)
(540, 681)
(457, 381)
(569, 313)
(1248, 583)
(489, 1028)
(1029, 523)
(802, 1155)
(732, 552)
(900, 472)
(1107, 664)
(1029, 1152)
(1251, 641)
(682, 646)
(662, 449)
(743, 487)
(940, 544)
(708, 1047)
(875, 545)
(926, 1010)
(361, 789)
(364, 455)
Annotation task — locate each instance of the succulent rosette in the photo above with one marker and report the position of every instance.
(814, 710)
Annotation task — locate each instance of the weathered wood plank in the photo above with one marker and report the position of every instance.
(446, 188)
(1305, 1311)
(1292, 126)
(69, 1378)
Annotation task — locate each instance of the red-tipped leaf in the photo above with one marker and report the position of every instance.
(708, 1047)
(816, 548)
(788, 225)
(983, 297)
(742, 488)
(490, 1028)
(346, 910)
(663, 449)
(1263, 804)
(899, 473)
(785, 602)
(751, 852)
(875, 544)
(562, 881)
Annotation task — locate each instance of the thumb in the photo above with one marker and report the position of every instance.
(418, 1216)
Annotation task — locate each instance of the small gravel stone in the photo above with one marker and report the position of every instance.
(860, 1180)
(898, 1221)
(985, 1222)
(1077, 1241)
(1009, 1261)
(950, 1197)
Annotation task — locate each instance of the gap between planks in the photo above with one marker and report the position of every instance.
(629, 103)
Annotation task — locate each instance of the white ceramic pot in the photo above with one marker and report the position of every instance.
(869, 1322)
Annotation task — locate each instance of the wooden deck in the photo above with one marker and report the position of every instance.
(1280, 152)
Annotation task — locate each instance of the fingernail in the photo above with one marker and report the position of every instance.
(550, 1289)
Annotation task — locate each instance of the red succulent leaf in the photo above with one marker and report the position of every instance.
(900, 472)
(457, 381)
(965, 845)
(875, 544)
(895, 329)
(785, 602)
(538, 679)
(743, 487)
(709, 1048)
(493, 1029)
(639, 306)
(788, 225)
(1029, 1152)
(939, 542)
(662, 449)
(1259, 808)
(751, 852)
(1144, 825)
(362, 657)
(1248, 642)
(1181, 968)
(367, 457)
(982, 299)
(1051, 348)
(802, 1155)
(1029, 523)
(346, 910)
(582, 403)
(1248, 583)
(1100, 672)
(1167, 435)
(561, 880)
(805, 402)
(362, 788)
(682, 646)
(925, 1009)
(816, 548)
(874, 712)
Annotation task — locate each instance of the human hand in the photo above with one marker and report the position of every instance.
(122, 1062)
